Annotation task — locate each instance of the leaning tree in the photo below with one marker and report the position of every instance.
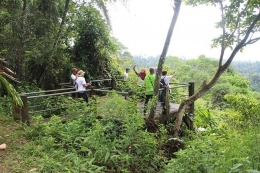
(240, 23)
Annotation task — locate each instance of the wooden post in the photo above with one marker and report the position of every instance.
(167, 101)
(191, 92)
(16, 111)
(113, 83)
(163, 101)
(24, 111)
(92, 91)
(191, 112)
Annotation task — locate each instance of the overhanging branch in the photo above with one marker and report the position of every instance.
(223, 34)
(242, 43)
(251, 41)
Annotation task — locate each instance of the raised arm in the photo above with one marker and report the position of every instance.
(135, 71)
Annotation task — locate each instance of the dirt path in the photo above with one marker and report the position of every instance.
(12, 134)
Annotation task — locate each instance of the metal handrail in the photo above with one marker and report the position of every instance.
(40, 92)
(179, 83)
(180, 86)
(118, 92)
(56, 94)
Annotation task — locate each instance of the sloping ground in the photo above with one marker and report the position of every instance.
(12, 134)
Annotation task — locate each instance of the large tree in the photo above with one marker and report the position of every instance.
(37, 36)
(239, 23)
(176, 8)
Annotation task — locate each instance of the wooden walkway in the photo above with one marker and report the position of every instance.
(158, 112)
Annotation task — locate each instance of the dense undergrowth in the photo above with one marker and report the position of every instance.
(112, 137)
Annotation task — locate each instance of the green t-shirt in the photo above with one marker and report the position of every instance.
(149, 84)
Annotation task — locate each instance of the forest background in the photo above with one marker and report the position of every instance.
(43, 39)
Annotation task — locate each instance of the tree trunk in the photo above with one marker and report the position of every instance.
(20, 46)
(57, 39)
(177, 5)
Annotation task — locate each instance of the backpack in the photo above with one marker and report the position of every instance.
(163, 82)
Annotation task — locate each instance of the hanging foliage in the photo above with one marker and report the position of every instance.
(95, 48)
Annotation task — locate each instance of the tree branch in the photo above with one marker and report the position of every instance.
(206, 86)
(242, 43)
(251, 41)
(223, 46)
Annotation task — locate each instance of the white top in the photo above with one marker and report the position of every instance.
(140, 82)
(73, 77)
(167, 79)
(125, 76)
(80, 84)
(155, 71)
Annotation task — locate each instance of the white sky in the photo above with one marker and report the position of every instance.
(142, 27)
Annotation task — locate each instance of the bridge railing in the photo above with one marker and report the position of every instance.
(23, 112)
(66, 89)
(166, 96)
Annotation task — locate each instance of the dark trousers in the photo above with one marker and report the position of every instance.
(147, 98)
(84, 96)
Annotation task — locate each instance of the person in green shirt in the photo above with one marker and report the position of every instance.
(149, 87)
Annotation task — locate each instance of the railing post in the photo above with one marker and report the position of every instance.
(92, 91)
(76, 96)
(191, 109)
(166, 101)
(24, 111)
(16, 111)
(163, 101)
(191, 92)
(113, 83)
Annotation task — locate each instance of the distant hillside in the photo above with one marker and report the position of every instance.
(251, 70)
(146, 62)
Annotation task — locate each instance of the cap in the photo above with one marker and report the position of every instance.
(127, 68)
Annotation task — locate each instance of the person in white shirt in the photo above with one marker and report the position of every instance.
(155, 70)
(165, 80)
(81, 85)
(126, 73)
(74, 76)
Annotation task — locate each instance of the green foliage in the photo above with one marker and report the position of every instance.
(94, 48)
(40, 47)
(229, 83)
(6, 106)
(10, 90)
(205, 118)
(251, 71)
(116, 142)
(249, 107)
(219, 153)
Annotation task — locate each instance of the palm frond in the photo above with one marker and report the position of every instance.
(6, 71)
(102, 6)
(10, 89)
(9, 76)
